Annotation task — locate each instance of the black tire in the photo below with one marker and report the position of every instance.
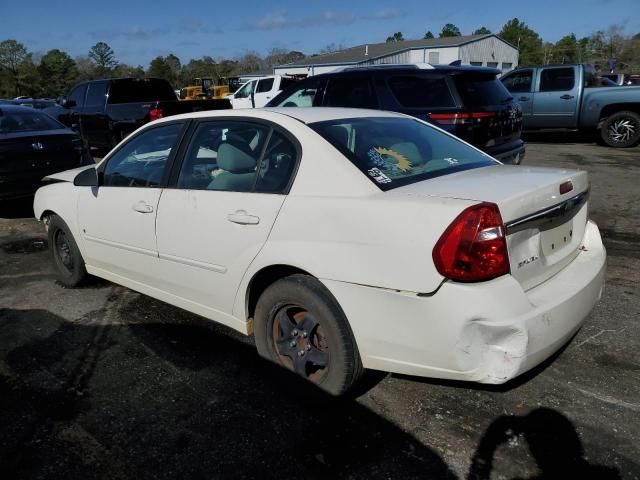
(67, 259)
(621, 129)
(300, 302)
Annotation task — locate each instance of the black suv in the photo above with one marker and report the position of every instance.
(468, 102)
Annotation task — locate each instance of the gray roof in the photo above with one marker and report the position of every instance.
(375, 50)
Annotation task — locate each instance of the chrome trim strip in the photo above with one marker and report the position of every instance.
(549, 217)
(122, 246)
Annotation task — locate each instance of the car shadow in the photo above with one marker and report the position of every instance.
(560, 137)
(170, 395)
(153, 400)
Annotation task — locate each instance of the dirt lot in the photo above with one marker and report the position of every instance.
(102, 382)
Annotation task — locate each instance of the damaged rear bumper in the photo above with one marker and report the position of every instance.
(489, 332)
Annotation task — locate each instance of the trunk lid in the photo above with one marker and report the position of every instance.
(544, 227)
(40, 152)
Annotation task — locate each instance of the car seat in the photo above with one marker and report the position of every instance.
(239, 170)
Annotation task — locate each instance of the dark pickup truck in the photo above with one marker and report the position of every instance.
(106, 111)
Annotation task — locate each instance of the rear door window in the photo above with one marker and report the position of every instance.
(557, 79)
(414, 91)
(519, 82)
(354, 92)
(481, 90)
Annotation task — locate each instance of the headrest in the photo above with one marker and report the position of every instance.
(234, 160)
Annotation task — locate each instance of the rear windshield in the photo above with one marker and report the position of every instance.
(393, 152)
(481, 90)
(414, 91)
(27, 120)
(136, 90)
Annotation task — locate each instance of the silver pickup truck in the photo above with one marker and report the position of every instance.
(571, 97)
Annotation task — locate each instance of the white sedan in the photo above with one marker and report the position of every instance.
(342, 239)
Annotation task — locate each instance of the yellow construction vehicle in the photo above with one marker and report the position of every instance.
(203, 88)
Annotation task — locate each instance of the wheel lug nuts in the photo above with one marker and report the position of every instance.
(294, 332)
(293, 343)
(304, 334)
(301, 353)
(308, 346)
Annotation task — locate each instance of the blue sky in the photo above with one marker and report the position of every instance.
(139, 31)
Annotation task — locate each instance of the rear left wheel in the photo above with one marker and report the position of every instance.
(300, 326)
(621, 129)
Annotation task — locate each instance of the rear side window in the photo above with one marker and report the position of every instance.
(307, 93)
(393, 152)
(354, 92)
(557, 79)
(519, 82)
(265, 85)
(421, 92)
(481, 90)
(136, 90)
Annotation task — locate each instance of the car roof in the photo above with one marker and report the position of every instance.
(386, 69)
(303, 114)
(10, 107)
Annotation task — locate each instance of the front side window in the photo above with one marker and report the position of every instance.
(141, 162)
(96, 95)
(77, 95)
(307, 93)
(519, 82)
(353, 92)
(557, 79)
(246, 91)
(223, 155)
(393, 152)
(415, 91)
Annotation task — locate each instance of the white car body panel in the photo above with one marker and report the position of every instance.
(372, 249)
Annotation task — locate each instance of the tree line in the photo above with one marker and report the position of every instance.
(52, 74)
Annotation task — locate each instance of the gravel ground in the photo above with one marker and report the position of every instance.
(102, 382)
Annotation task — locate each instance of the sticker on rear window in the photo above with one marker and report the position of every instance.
(389, 160)
(378, 176)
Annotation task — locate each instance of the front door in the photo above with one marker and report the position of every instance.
(214, 222)
(264, 92)
(244, 97)
(117, 219)
(555, 102)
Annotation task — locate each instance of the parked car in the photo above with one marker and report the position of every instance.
(570, 98)
(342, 238)
(466, 101)
(33, 145)
(106, 111)
(258, 92)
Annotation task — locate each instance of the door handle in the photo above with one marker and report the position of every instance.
(523, 99)
(142, 207)
(243, 218)
(566, 97)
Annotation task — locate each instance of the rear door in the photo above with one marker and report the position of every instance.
(555, 101)
(118, 218)
(520, 85)
(243, 98)
(227, 194)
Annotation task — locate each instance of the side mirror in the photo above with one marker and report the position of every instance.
(86, 178)
(67, 103)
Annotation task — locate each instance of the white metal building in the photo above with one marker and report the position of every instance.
(480, 50)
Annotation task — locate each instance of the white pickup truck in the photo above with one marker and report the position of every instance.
(256, 93)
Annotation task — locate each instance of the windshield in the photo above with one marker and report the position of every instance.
(393, 152)
(27, 120)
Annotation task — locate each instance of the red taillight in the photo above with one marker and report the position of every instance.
(458, 118)
(473, 248)
(155, 114)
